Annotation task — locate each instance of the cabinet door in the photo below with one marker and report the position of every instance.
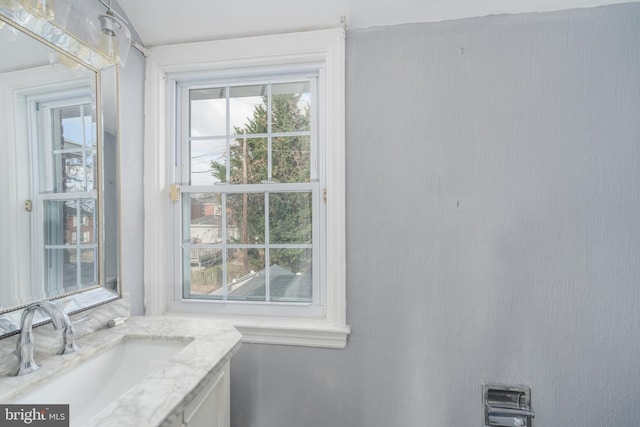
(211, 408)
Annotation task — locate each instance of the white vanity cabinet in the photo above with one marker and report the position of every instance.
(211, 405)
(190, 388)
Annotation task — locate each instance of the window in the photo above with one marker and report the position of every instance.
(252, 146)
(251, 203)
(65, 154)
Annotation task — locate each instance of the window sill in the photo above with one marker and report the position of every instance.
(281, 330)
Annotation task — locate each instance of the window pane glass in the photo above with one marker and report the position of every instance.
(68, 130)
(290, 275)
(208, 112)
(249, 161)
(248, 109)
(291, 161)
(74, 171)
(90, 130)
(69, 222)
(66, 161)
(203, 268)
(245, 274)
(202, 218)
(74, 127)
(71, 172)
(91, 171)
(290, 218)
(61, 269)
(245, 218)
(65, 271)
(88, 270)
(208, 161)
(87, 226)
(290, 107)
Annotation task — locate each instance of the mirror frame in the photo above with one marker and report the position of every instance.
(68, 45)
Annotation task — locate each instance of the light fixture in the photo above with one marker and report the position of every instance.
(110, 35)
(8, 4)
(44, 9)
(7, 36)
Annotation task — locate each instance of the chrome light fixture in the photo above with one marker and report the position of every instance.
(44, 9)
(7, 35)
(110, 35)
(8, 4)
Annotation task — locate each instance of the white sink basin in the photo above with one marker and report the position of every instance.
(94, 383)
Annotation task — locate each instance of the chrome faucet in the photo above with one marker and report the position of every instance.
(26, 344)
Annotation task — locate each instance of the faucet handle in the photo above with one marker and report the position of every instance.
(81, 319)
(68, 336)
(69, 347)
(68, 340)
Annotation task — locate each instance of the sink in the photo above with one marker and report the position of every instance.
(96, 382)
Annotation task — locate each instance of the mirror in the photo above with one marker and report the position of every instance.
(58, 132)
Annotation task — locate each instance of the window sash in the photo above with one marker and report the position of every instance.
(183, 172)
(315, 245)
(182, 128)
(49, 187)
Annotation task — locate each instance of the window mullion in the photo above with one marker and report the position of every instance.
(182, 152)
(318, 243)
(267, 253)
(83, 150)
(223, 224)
(225, 281)
(78, 239)
(250, 188)
(314, 125)
(269, 137)
(185, 135)
(228, 139)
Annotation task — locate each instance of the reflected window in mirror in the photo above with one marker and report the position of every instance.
(62, 130)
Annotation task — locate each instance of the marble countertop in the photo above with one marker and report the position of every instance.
(163, 392)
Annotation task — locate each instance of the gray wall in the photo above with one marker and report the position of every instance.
(493, 220)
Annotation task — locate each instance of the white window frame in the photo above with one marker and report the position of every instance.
(39, 105)
(257, 76)
(325, 47)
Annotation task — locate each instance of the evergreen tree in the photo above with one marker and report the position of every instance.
(289, 213)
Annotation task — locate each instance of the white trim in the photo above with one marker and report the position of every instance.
(156, 185)
(325, 46)
(281, 330)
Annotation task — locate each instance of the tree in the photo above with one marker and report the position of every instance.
(289, 213)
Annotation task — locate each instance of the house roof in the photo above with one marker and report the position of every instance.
(284, 285)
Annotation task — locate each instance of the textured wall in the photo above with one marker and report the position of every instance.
(493, 212)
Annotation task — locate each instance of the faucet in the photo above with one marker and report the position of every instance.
(26, 344)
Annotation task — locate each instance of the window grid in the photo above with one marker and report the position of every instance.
(266, 187)
(66, 193)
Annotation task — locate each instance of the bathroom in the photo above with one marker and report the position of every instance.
(511, 133)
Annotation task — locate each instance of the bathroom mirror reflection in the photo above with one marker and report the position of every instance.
(58, 216)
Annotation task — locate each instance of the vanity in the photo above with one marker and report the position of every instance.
(187, 383)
